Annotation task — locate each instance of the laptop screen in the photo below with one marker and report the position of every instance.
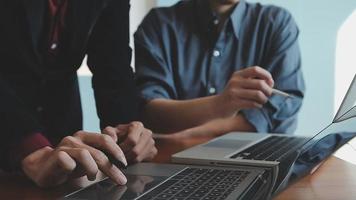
(344, 120)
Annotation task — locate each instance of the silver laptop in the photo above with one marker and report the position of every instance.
(247, 168)
(267, 150)
(178, 182)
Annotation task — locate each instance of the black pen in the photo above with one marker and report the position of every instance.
(118, 163)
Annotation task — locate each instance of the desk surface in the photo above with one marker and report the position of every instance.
(335, 179)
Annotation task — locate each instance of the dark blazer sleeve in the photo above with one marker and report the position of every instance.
(109, 57)
(19, 129)
(15, 118)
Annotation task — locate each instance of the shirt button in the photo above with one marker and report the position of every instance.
(212, 90)
(54, 46)
(216, 53)
(39, 109)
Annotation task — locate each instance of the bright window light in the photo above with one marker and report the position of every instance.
(345, 66)
(345, 69)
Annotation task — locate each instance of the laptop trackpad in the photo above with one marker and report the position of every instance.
(228, 143)
(106, 189)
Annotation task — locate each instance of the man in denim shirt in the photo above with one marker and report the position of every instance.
(208, 67)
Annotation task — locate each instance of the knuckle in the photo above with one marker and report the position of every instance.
(107, 129)
(137, 124)
(149, 133)
(235, 80)
(256, 68)
(106, 139)
(236, 73)
(77, 134)
(47, 148)
(68, 140)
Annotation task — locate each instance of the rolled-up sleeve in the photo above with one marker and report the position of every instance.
(154, 75)
(283, 60)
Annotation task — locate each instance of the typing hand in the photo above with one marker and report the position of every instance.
(135, 140)
(76, 156)
(247, 88)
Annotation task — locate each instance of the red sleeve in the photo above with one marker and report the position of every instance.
(31, 144)
(26, 146)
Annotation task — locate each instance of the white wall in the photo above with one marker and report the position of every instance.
(345, 66)
(139, 9)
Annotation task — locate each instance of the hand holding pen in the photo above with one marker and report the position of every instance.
(247, 89)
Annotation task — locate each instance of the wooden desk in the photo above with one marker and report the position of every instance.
(335, 179)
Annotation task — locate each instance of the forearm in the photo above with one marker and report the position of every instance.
(167, 116)
(218, 127)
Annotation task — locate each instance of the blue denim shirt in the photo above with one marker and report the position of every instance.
(180, 55)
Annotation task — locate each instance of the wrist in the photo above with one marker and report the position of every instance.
(35, 158)
(24, 146)
(221, 107)
(31, 163)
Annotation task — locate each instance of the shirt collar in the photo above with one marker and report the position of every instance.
(237, 16)
(206, 16)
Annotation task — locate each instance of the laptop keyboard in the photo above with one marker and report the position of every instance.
(273, 148)
(196, 183)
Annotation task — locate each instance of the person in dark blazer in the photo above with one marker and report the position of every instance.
(42, 45)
